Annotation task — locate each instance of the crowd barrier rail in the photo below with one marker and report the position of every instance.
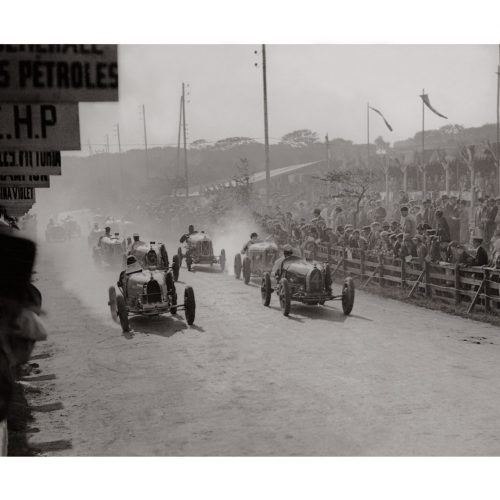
(452, 283)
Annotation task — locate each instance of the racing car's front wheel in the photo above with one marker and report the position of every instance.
(222, 260)
(247, 271)
(112, 303)
(176, 267)
(122, 313)
(189, 305)
(285, 297)
(348, 296)
(237, 266)
(179, 255)
(265, 289)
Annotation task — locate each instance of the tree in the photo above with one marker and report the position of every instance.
(231, 142)
(300, 138)
(351, 185)
(381, 144)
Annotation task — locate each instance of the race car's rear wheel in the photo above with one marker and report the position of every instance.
(122, 313)
(179, 255)
(328, 278)
(285, 297)
(173, 310)
(176, 267)
(348, 296)
(112, 303)
(189, 262)
(265, 289)
(247, 271)
(222, 260)
(189, 305)
(237, 266)
(164, 256)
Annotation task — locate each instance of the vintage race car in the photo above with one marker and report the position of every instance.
(258, 259)
(148, 291)
(109, 251)
(72, 228)
(145, 257)
(55, 233)
(199, 250)
(93, 237)
(302, 281)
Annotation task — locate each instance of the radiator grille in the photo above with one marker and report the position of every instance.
(153, 292)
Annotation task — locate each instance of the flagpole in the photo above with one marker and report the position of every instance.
(368, 139)
(498, 121)
(423, 140)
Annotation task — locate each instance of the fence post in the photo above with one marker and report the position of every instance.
(381, 270)
(458, 297)
(362, 262)
(427, 268)
(403, 273)
(487, 304)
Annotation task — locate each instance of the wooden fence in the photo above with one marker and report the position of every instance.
(452, 283)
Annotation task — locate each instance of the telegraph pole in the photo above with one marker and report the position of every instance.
(184, 134)
(145, 140)
(368, 140)
(178, 165)
(498, 120)
(118, 136)
(266, 126)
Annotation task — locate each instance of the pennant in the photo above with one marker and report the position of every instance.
(425, 98)
(383, 117)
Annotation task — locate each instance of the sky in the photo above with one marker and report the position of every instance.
(324, 88)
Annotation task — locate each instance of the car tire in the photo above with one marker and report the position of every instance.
(189, 305)
(176, 267)
(266, 290)
(122, 313)
(173, 309)
(222, 260)
(179, 255)
(113, 308)
(285, 297)
(237, 266)
(247, 269)
(348, 296)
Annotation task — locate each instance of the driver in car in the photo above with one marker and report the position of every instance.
(254, 238)
(277, 269)
(185, 236)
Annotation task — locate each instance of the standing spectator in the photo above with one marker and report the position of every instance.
(480, 255)
(442, 227)
(490, 213)
(421, 248)
(463, 219)
(428, 213)
(408, 225)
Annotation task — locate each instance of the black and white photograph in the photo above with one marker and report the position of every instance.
(245, 249)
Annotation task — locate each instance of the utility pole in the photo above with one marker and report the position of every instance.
(266, 126)
(327, 143)
(120, 164)
(145, 140)
(368, 140)
(118, 136)
(184, 134)
(423, 148)
(178, 164)
(498, 120)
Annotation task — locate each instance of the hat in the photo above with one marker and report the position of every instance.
(316, 211)
(287, 248)
(136, 235)
(340, 228)
(366, 228)
(18, 256)
(404, 209)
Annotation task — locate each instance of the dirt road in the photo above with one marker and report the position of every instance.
(392, 379)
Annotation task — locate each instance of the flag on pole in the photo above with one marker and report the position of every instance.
(383, 117)
(425, 98)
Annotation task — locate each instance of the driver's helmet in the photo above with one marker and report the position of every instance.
(136, 236)
(190, 228)
(152, 258)
(287, 250)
